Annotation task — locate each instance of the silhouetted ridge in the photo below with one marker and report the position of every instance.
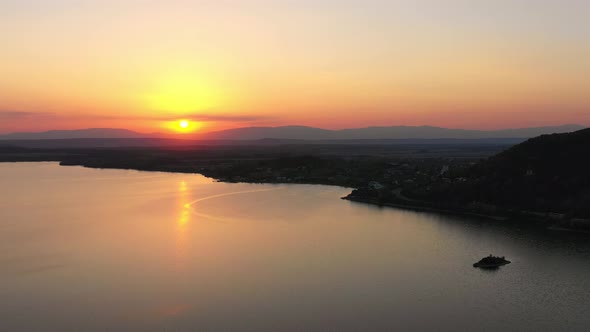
(76, 134)
(548, 174)
(306, 133)
(386, 132)
(547, 155)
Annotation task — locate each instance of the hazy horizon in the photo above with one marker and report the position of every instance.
(414, 132)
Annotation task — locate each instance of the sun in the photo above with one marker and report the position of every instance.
(183, 126)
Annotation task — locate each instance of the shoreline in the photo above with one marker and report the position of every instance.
(425, 209)
(583, 225)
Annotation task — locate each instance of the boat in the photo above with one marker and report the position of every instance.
(490, 262)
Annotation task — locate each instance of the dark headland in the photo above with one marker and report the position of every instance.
(546, 178)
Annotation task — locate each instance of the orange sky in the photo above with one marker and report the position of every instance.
(143, 65)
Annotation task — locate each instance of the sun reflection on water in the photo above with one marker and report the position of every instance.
(183, 224)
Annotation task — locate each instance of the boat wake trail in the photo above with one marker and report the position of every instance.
(190, 204)
(220, 218)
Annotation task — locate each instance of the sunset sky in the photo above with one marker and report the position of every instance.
(145, 65)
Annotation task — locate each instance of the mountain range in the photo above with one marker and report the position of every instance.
(75, 134)
(305, 133)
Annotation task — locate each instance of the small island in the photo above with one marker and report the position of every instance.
(491, 262)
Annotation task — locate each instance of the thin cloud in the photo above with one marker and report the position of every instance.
(23, 115)
(189, 116)
(216, 117)
(19, 115)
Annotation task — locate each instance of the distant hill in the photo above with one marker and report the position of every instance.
(395, 132)
(307, 134)
(256, 133)
(75, 134)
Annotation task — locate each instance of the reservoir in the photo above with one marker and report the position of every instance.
(119, 250)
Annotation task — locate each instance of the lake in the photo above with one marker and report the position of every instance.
(117, 250)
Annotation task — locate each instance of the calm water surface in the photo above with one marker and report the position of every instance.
(114, 250)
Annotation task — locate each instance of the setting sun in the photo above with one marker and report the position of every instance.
(183, 126)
